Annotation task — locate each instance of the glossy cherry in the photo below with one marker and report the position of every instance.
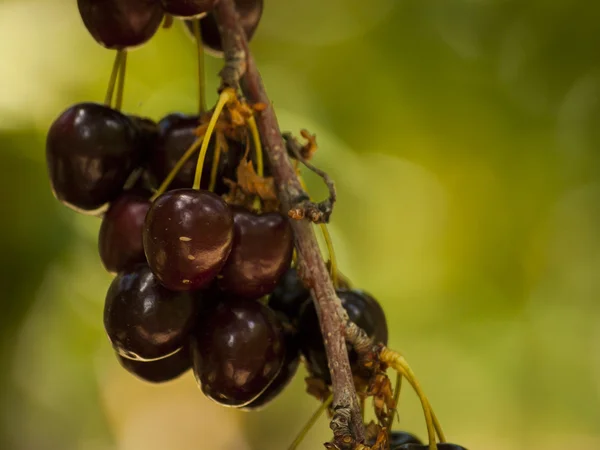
(160, 370)
(250, 12)
(362, 309)
(285, 375)
(145, 321)
(91, 150)
(188, 8)
(261, 253)
(289, 295)
(238, 349)
(187, 238)
(120, 239)
(440, 446)
(118, 24)
(177, 132)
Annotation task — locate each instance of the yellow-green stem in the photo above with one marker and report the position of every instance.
(110, 92)
(215, 165)
(121, 84)
(260, 167)
(173, 173)
(313, 419)
(398, 363)
(397, 390)
(226, 96)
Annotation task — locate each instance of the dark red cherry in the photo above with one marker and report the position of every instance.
(160, 370)
(250, 12)
(145, 321)
(238, 349)
(285, 375)
(120, 24)
(148, 132)
(260, 255)
(289, 295)
(177, 132)
(91, 150)
(187, 238)
(188, 8)
(120, 239)
(362, 309)
(440, 446)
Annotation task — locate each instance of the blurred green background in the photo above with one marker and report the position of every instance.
(464, 139)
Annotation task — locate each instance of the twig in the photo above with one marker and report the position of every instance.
(332, 315)
(315, 212)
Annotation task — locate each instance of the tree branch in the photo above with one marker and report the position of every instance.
(332, 315)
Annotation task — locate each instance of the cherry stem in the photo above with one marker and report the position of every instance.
(257, 146)
(398, 363)
(200, 56)
(311, 422)
(226, 96)
(110, 92)
(333, 266)
(394, 412)
(180, 163)
(121, 82)
(215, 165)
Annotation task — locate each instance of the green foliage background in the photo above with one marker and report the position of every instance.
(463, 136)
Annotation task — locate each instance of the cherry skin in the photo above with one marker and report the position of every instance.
(90, 151)
(177, 132)
(238, 349)
(118, 24)
(398, 438)
(289, 295)
(160, 370)
(285, 375)
(250, 12)
(440, 446)
(120, 239)
(145, 321)
(148, 132)
(261, 253)
(362, 309)
(188, 8)
(187, 238)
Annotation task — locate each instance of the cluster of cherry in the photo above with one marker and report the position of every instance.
(204, 262)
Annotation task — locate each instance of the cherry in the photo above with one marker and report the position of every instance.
(148, 131)
(91, 150)
(261, 252)
(289, 295)
(398, 438)
(177, 132)
(238, 349)
(250, 12)
(160, 370)
(188, 8)
(362, 309)
(143, 320)
(440, 446)
(187, 238)
(120, 239)
(118, 24)
(285, 375)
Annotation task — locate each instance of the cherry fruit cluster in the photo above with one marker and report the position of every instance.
(205, 277)
(202, 281)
